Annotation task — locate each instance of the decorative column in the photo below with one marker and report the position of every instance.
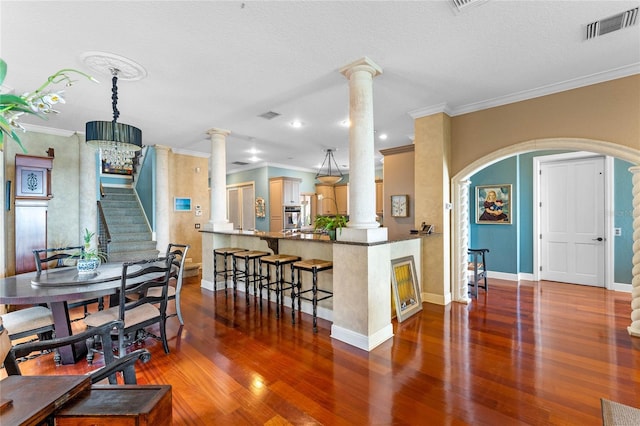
(163, 203)
(88, 189)
(362, 226)
(634, 328)
(461, 228)
(218, 165)
(361, 284)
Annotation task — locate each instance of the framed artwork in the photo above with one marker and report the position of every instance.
(493, 204)
(406, 291)
(400, 205)
(260, 207)
(182, 204)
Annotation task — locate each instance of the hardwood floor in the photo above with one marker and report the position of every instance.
(542, 353)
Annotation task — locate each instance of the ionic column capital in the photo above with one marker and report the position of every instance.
(215, 131)
(363, 64)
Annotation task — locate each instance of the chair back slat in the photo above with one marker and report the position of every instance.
(152, 273)
(59, 254)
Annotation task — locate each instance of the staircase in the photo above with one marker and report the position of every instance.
(130, 234)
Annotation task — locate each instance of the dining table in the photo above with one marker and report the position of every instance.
(58, 286)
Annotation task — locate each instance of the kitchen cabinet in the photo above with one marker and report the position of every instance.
(283, 191)
(333, 197)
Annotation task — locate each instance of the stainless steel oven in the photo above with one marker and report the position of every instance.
(292, 217)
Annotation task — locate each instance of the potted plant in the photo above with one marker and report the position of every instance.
(89, 259)
(330, 224)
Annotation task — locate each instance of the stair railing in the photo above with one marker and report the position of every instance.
(104, 236)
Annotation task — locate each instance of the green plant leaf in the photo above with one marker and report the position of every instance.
(3, 70)
(7, 99)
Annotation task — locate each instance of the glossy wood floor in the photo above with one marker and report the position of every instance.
(540, 354)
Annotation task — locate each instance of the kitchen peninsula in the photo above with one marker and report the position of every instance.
(360, 280)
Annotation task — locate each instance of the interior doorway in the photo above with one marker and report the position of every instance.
(459, 238)
(569, 217)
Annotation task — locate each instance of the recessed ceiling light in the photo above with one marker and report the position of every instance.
(383, 136)
(253, 151)
(254, 159)
(296, 124)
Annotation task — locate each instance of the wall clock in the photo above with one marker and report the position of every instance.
(400, 205)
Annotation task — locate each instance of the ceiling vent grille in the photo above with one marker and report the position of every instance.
(612, 23)
(239, 163)
(269, 115)
(462, 4)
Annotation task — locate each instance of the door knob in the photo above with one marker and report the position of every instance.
(597, 239)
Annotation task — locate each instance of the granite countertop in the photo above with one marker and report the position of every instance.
(306, 236)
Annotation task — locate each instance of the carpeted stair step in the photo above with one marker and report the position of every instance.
(130, 256)
(132, 246)
(131, 235)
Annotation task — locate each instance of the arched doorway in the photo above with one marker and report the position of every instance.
(460, 197)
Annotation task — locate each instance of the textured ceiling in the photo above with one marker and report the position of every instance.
(222, 64)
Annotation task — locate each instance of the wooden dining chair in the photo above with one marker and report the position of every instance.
(112, 365)
(49, 258)
(138, 307)
(179, 251)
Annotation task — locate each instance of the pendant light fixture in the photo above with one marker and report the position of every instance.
(116, 139)
(328, 175)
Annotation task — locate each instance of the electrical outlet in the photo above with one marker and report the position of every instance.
(197, 226)
(617, 232)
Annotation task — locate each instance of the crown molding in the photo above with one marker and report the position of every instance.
(49, 130)
(577, 83)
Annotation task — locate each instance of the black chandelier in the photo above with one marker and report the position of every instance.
(111, 135)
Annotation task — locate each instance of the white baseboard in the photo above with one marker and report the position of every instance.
(366, 343)
(626, 288)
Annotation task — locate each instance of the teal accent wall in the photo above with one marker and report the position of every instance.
(622, 211)
(261, 183)
(500, 239)
(145, 185)
(511, 246)
(260, 177)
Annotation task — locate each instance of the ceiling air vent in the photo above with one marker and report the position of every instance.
(269, 115)
(239, 163)
(461, 4)
(612, 23)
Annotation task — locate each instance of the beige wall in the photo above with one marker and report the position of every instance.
(607, 111)
(188, 177)
(63, 213)
(398, 179)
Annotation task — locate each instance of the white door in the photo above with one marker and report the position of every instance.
(240, 206)
(572, 205)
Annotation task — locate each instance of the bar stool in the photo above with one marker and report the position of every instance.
(247, 274)
(314, 266)
(225, 252)
(278, 261)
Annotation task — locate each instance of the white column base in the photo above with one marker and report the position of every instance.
(218, 226)
(361, 341)
(371, 235)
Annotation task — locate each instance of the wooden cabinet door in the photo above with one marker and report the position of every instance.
(275, 197)
(326, 206)
(342, 199)
(291, 193)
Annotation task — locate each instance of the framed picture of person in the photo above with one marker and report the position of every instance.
(493, 204)
(406, 290)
